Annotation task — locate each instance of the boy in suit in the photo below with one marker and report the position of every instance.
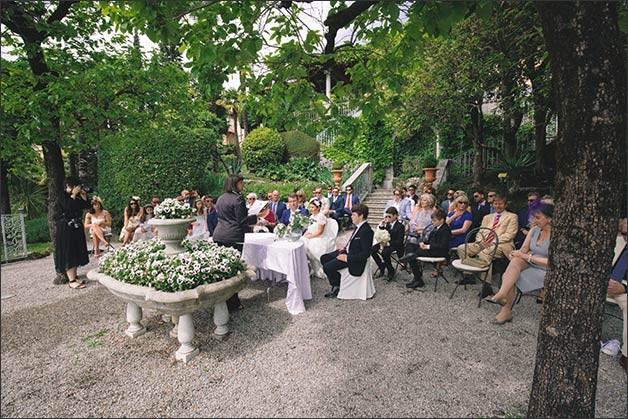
(355, 255)
(436, 245)
(396, 230)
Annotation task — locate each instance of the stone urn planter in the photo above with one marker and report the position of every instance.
(337, 176)
(430, 174)
(172, 232)
(180, 305)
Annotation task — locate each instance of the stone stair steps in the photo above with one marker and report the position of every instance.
(376, 201)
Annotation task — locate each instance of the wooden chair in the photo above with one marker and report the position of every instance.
(480, 272)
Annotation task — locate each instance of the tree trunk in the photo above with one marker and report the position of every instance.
(513, 115)
(589, 77)
(73, 163)
(56, 174)
(5, 202)
(477, 121)
(540, 135)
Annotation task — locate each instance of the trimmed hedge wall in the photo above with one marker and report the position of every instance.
(261, 147)
(37, 230)
(149, 161)
(299, 144)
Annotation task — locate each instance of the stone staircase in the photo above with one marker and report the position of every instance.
(376, 201)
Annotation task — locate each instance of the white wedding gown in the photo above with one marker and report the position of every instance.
(318, 246)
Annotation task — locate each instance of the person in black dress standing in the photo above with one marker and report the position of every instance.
(70, 243)
(233, 222)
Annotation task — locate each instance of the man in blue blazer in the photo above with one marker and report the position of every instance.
(293, 208)
(355, 255)
(341, 208)
(276, 205)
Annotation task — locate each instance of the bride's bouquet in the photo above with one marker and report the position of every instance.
(382, 237)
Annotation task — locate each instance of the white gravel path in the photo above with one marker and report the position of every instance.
(401, 354)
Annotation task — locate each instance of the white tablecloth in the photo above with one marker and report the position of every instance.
(280, 260)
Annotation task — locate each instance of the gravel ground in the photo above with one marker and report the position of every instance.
(401, 354)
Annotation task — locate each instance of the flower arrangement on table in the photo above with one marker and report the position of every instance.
(298, 223)
(146, 263)
(382, 237)
(172, 209)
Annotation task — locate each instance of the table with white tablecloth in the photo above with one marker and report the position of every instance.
(279, 260)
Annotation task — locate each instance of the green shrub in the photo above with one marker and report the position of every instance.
(261, 147)
(147, 162)
(37, 230)
(296, 169)
(299, 144)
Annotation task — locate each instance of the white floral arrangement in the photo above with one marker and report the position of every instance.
(172, 209)
(382, 236)
(299, 223)
(280, 230)
(145, 263)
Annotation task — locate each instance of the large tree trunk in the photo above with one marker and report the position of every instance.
(512, 117)
(477, 122)
(5, 202)
(589, 77)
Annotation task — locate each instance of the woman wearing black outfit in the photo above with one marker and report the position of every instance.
(232, 222)
(70, 243)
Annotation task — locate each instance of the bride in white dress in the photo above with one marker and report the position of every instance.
(320, 237)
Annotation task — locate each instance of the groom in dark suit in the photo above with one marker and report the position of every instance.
(355, 255)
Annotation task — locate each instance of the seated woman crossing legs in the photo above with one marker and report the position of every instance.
(435, 245)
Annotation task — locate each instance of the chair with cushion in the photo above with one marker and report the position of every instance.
(437, 263)
(464, 266)
(356, 287)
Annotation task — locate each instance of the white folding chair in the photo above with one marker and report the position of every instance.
(356, 287)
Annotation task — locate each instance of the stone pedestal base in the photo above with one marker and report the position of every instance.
(185, 334)
(133, 317)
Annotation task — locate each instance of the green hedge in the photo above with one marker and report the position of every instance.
(261, 147)
(37, 230)
(299, 144)
(147, 162)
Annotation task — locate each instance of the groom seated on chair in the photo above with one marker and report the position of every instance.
(355, 255)
(293, 208)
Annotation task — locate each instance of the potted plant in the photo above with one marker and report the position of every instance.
(429, 168)
(337, 170)
(171, 221)
(145, 277)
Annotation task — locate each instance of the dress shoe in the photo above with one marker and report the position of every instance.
(466, 281)
(623, 361)
(416, 284)
(333, 292)
(506, 320)
(486, 291)
(390, 277)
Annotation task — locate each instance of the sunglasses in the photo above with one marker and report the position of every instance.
(449, 193)
(388, 216)
(396, 194)
(491, 195)
(531, 200)
(476, 196)
(624, 233)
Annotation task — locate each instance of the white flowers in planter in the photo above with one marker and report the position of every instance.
(146, 263)
(172, 209)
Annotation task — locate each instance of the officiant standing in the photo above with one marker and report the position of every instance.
(395, 228)
(233, 222)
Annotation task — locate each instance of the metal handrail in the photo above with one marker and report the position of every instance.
(361, 180)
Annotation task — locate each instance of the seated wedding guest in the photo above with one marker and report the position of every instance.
(457, 194)
(527, 265)
(459, 220)
(277, 206)
(199, 229)
(330, 188)
(144, 230)
(154, 200)
(436, 244)
(325, 206)
(403, 206)
(422, 214)
(444, 205)
(335, 196)
(490, 197)
(396, 230)
(505, 225)
(269, 195)
(250, 199)
(344, 204)
(265, 221)
(526, 218)
(293, 208)
(617, 285)
(212, 217)
(98, 221)
(318, 239)
(355, 255)
(301, 198)
(132, 214)
(412, 194)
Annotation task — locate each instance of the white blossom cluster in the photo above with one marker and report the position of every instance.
(382, 236)
(172, 209)
(145, 263)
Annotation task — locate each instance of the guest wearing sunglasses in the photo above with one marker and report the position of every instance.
(479, 209)
(402, 205)
(526, 218)
(396, 231)
(444, 205)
